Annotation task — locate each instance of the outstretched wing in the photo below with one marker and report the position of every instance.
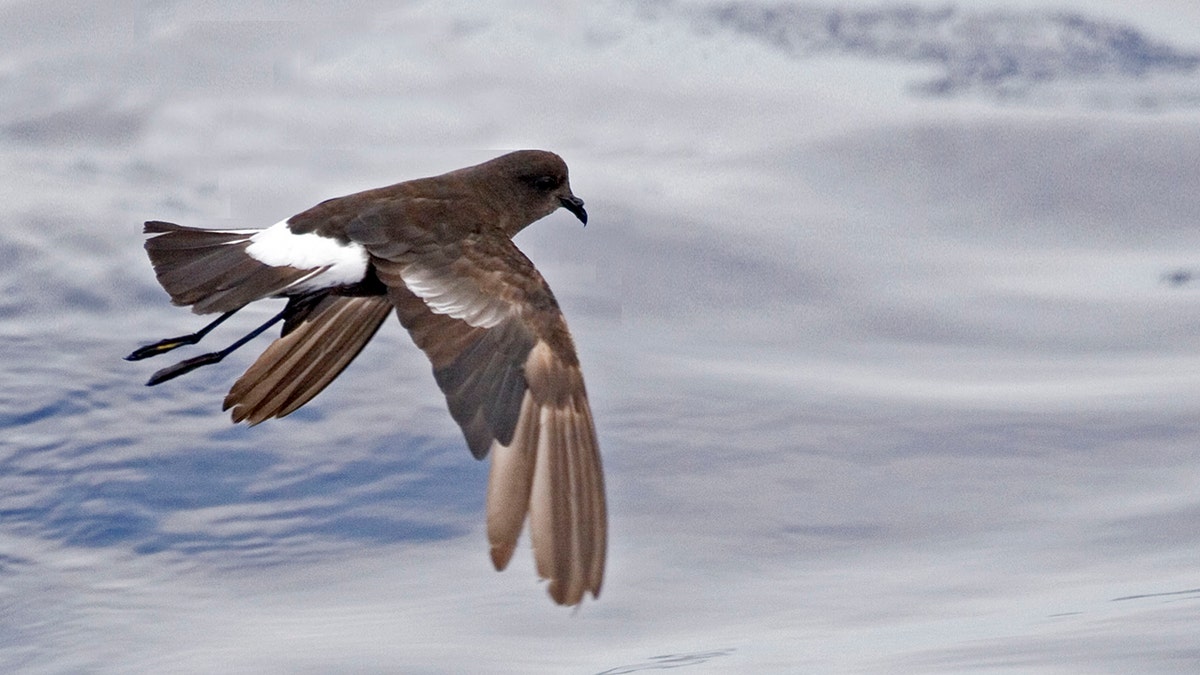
(314, 349)
(503, 357)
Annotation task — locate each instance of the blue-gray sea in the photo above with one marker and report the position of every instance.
(889, 314)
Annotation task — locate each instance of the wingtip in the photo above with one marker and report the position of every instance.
(568, 596)
(238, 413)
(241, 414)
(501, 555)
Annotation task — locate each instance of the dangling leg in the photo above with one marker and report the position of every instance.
(164, 346)
(297, 305)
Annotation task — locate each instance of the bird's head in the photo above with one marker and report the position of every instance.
(535, 183)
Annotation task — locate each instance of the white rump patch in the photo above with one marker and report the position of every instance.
(278, 246)
(455, 297)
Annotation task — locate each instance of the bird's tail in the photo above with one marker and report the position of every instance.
(210, 269)
(323, 330)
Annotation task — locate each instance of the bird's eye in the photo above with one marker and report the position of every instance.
(545, 183)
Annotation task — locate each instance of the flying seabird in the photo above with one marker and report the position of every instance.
(439, 252)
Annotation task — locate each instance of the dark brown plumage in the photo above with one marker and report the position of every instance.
(439, 252)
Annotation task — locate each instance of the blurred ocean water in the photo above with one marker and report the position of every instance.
(886, 315)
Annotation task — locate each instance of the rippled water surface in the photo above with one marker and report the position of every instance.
(888, 320)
